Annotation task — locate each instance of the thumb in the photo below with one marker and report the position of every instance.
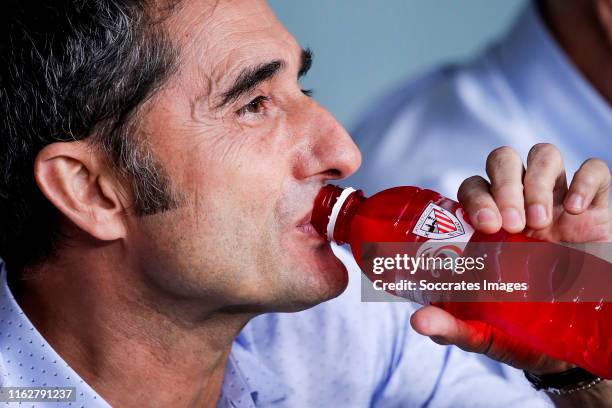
(444, 328)
(479, 337)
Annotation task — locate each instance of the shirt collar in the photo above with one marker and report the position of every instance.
(26, 357)
(548, 85)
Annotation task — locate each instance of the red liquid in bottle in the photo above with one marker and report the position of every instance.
(577, 332)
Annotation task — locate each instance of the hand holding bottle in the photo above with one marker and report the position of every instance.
(536, 201)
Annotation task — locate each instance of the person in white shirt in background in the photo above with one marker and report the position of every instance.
(546, 81)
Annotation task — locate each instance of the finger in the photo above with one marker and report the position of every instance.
(590, 186)
(545, 183)
(444, 328)
(505, 170)
(476, 200)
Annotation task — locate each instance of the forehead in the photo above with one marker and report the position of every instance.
(223, 36)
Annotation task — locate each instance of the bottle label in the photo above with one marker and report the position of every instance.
(454, 241)
(438, 223)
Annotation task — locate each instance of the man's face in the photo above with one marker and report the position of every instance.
(247, 150)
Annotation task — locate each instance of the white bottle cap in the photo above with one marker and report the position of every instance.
(331, 225)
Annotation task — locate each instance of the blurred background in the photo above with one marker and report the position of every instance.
(364, 47)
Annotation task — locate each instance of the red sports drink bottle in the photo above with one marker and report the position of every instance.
(574, 331)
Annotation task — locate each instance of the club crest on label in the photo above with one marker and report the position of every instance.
(436, 222)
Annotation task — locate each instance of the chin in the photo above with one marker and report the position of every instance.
(319, 277)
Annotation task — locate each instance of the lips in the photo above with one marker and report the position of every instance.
(305, 226)
(305, 219)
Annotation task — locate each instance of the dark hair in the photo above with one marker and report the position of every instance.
(74, 69)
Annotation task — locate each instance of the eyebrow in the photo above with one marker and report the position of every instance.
(250, 77)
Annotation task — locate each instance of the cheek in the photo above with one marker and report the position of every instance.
(234, 181)
(234, 209)
(247, 176)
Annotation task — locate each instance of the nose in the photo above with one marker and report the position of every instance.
(329, 152)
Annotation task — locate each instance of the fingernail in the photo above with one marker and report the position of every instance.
(536, 213)
(512, 218)
(485, 216)
(575, 201)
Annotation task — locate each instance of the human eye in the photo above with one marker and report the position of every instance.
(256, 106)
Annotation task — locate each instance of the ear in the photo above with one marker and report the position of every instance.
(75, 179)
